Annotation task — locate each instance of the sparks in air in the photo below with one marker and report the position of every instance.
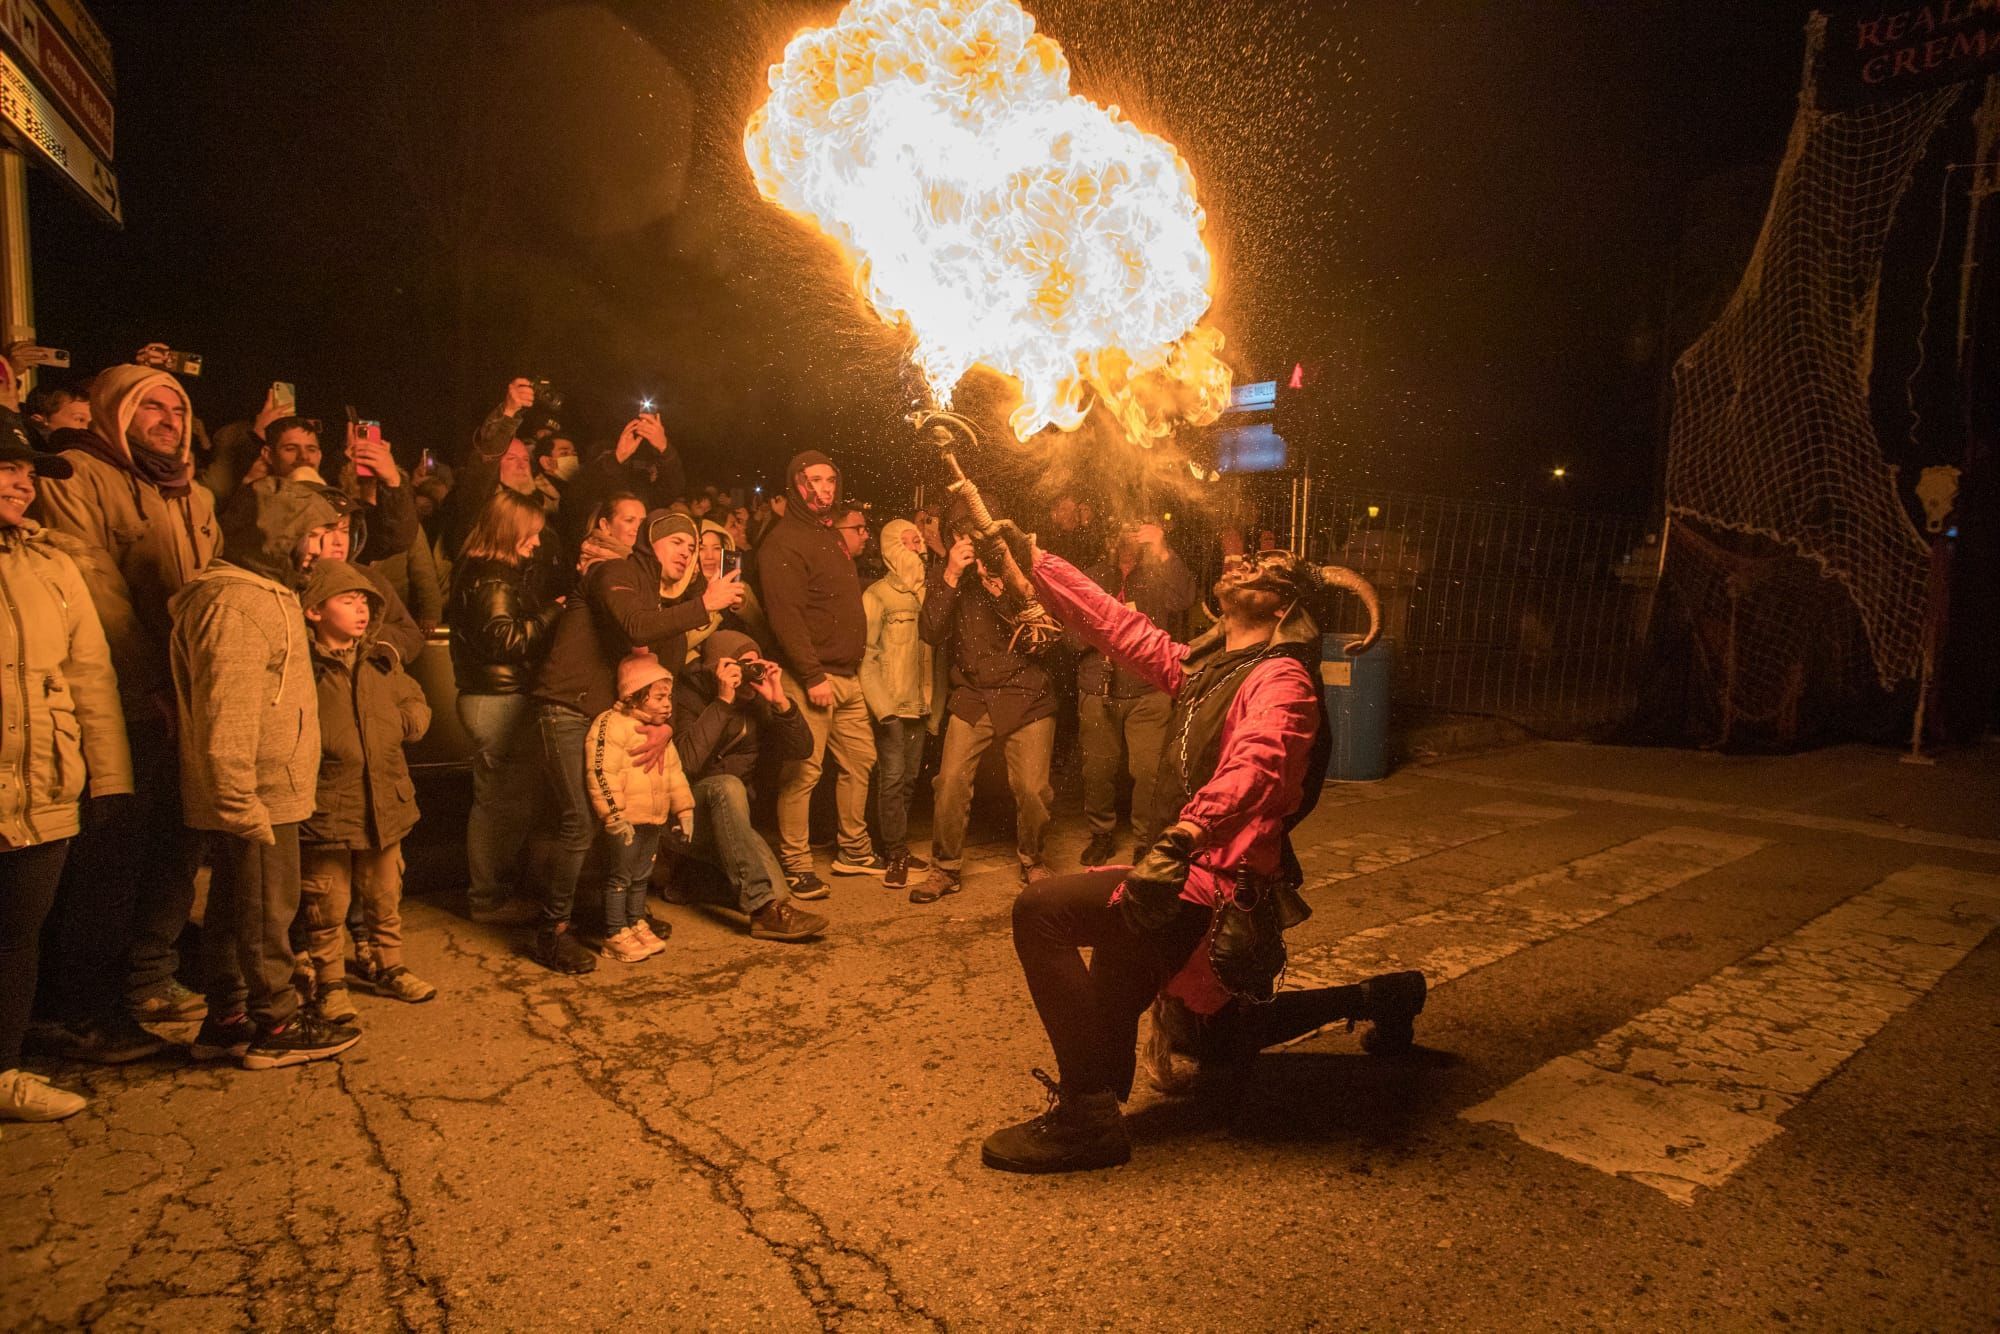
(1004, 220)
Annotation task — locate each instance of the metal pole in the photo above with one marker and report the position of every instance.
(17, 284)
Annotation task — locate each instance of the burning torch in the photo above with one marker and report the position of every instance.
(1034, 628)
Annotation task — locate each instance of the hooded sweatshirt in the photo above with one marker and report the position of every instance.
(896, 667)
(624, 606)
(242, 669)
(143, 539)
(369, 709)
(811, 590)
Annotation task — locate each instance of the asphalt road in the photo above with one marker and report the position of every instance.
(1713, 1041)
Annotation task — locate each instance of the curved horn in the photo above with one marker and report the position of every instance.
(1339, 576)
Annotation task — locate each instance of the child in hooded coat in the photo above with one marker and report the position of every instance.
(633, 802)
(352, 844)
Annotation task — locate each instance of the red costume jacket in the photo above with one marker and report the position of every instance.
(1259, 780)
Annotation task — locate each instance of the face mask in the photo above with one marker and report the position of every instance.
(566, 467)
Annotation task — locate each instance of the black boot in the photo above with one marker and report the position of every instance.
(1078, 1132)
(1391, 1002)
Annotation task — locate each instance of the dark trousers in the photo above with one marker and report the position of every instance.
(1091, 1012)
(246, 940)
(127, 893)
(561, 734)
(28, 878)
(899, 755)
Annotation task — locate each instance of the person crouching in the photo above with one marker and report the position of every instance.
(352, 844)
(634, 801)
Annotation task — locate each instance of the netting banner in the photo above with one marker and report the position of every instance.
(1771, 428)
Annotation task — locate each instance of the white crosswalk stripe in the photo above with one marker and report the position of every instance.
(1365, 852)
(1483, 929)
(1681, 1097)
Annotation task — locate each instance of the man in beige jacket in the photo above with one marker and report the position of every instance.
(250, 753)
(145, 528)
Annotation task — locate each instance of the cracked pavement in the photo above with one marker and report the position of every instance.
(742, 1135)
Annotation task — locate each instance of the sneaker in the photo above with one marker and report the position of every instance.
(399, 983)
(869, 865)
(166, 1003)
(304, 1037)
(112, 1040)
(1100, 850)
(778, 920)
(625, 946)
(645, 936)
(917, 863)
(661, 928)
(1033, 871)
(1392, 1002)
(335, 1005)
(936, 885)
(806, 885)
(555, 949)
(897, 874)
(29, 1097)
(1077, 1133)
(513, 912)
(218, 1038)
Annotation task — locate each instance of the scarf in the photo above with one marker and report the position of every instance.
(173, 477)
(597, 548)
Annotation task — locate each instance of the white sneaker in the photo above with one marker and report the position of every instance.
(29, 1097)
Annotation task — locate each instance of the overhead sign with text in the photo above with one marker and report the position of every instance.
(57, 94)
(1886, 48)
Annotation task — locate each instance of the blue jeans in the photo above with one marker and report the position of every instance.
(723, 835)
(899, 753)
(505, 784)
(561, 732)
(625, 887)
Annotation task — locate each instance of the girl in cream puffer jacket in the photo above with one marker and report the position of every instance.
(634, 801)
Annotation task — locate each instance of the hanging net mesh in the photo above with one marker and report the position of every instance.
(1771, 431)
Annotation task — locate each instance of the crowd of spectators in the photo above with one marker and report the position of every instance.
(210, 660)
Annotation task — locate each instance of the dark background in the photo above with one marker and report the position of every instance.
(1485, 228)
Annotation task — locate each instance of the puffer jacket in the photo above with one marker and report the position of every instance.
(249, 711)
(369, 709)
(897, 672)
(58, 692)
(141, 546)
(620, 786)
(500, 631)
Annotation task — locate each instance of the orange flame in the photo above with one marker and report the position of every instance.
(1006, 221)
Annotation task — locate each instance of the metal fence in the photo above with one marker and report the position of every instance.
(1533, 614)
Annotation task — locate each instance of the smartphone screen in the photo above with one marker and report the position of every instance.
(285, 397)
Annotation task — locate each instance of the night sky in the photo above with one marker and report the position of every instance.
(1469, 221)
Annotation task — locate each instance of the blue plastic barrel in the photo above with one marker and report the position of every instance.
(1357, 704)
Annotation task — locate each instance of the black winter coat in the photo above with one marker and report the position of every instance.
(717, 738)
(500, 629)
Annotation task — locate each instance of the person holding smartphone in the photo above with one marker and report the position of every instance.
(716, 556)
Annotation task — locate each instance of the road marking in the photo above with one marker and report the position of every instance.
(1681, 1097)
(1482, 929)
(1826, 824)
(1332, 860)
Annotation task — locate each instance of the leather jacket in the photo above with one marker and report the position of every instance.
(500, 630)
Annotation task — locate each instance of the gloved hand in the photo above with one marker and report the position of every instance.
(1153, 888)
(621, 828)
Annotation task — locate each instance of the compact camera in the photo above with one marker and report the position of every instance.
(754, 672)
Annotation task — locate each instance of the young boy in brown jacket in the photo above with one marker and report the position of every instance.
(352, 845)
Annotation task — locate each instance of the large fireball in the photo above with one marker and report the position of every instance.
(1006, 221)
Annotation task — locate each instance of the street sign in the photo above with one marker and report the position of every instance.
(27, 117)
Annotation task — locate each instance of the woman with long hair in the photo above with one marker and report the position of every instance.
(501, 630)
